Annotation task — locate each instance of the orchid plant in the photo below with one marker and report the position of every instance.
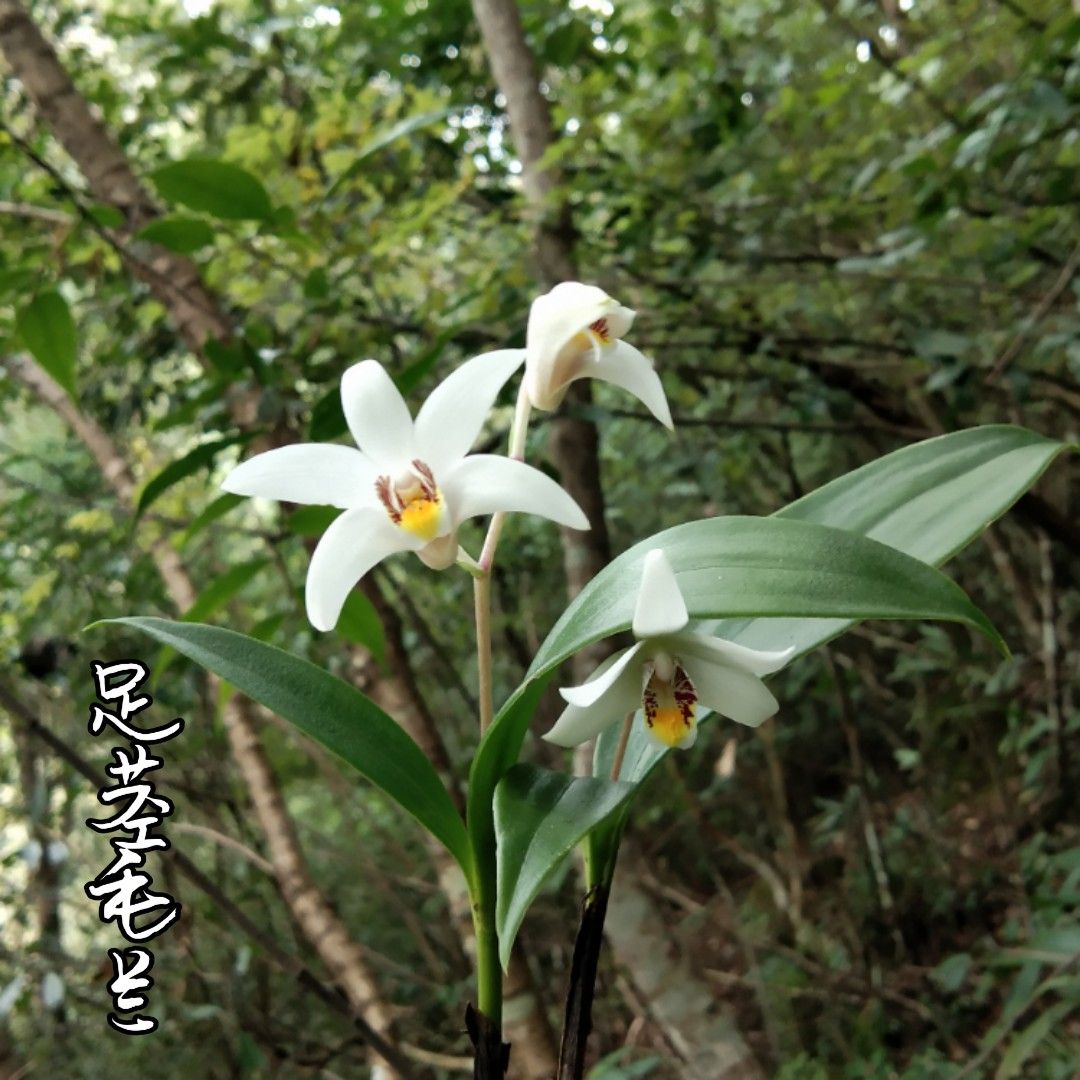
(863, 546)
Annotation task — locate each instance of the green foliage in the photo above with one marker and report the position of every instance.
(928, 501)
(217, 188)
(178, 233)
(330, 711)
(359, 623)
(730, 567)
(540, 817)
(183, 467)
(828, 258)
(48, 331)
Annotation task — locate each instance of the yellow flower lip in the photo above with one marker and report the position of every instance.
(413, 501)
(669, 725)
(669, 701)
(421, 516)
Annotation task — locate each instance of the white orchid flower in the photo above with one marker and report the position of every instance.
(575, 332)
(668, 673)
(410, 485)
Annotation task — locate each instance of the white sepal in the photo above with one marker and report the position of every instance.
(312, 473)
(377, 416)
(660, 606)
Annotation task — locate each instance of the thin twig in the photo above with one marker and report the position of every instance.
(1040, 312)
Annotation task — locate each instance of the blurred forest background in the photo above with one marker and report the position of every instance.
(846, 225)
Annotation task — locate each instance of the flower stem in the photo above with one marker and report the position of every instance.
(620, 750)
(482, 607)
(482, 572)
(483, 888)
(516, 452)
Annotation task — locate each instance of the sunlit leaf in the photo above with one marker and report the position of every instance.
(213, 187)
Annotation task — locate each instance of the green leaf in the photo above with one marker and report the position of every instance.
(311, 520)
(48, 331)
(183, 467)
(540, 817)
(749, 566)
(266, 628)
(928, 500)
(107, 215)
(1034, 1036)
(952, 971)
(317, 284)
(727, 566)
(178, 233)
(214, 512)
(752, 566)
(359, 623)
(222, 589)
(327, 417)
(230, 358)
(384, 138)
(334, 714)
(214, 187)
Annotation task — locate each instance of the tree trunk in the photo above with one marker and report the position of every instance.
(574, 450)
(173, 279)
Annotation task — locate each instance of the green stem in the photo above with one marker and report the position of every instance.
(488, 968)
(482, 602)
(483, 884)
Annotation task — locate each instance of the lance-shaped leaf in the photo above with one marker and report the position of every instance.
(928, 500)
(333, 713)
(182, 467)
(725, 567)
(764, 567)
(540, 816)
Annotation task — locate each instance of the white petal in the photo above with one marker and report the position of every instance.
(451, 418)
(377, 416)
(622, 365)
(558, 315)
(619, 320)
(484, 483)
(318, 473)
(730, 691)
(577, 725)
(347, 551)
(602, 680)
(660, 606)
(554, 319)
(717, 650)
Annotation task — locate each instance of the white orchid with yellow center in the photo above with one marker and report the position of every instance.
(668, 673)
(410, 484)
(575, 332)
